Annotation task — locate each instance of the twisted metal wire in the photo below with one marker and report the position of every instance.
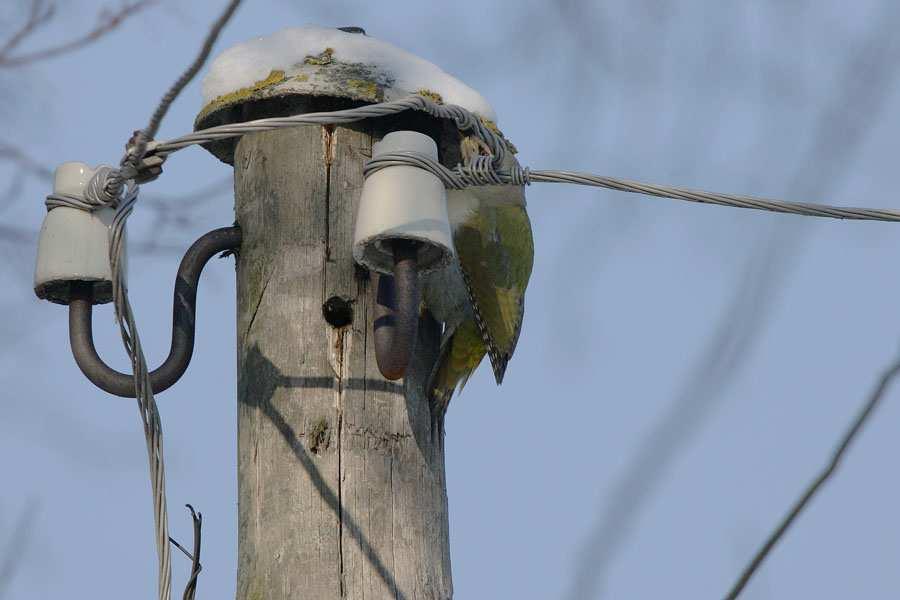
(189, 73)
(107, 186)
(796, 208)
(481, 172)
(485, 170)
(96, 196)
(118, 189)
(464, 120)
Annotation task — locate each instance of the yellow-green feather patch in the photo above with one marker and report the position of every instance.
(496, 253)
(461, 354)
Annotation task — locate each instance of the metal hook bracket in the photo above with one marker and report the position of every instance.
(397, 311)
(184, 310)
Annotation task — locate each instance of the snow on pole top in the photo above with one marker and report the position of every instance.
(329, 62)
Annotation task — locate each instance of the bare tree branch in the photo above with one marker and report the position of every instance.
(16, 548)
(845, 122)
(848, 438)
(188, 75)
(40, 14)
(10, 153)
(190, 589)
(735, 333)
(16, 234)
(176, 212)
(13, 191)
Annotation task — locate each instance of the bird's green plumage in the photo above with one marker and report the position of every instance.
(461, 353)
(495, 253)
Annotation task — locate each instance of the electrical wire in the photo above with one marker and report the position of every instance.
(483, 170)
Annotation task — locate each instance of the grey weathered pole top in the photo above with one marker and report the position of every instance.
(310, 69)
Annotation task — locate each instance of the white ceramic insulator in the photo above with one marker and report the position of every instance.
(406, 203)
(74, 244)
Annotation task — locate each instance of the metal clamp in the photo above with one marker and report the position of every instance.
(184, 309)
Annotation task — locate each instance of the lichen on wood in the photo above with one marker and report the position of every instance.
(320, 75)
(244, 94)
(324, 58)
(319, 436)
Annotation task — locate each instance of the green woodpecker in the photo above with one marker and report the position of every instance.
(480, 297)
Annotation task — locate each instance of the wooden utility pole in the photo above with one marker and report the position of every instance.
(341, 483)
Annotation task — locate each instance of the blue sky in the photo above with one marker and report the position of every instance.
(628, 298)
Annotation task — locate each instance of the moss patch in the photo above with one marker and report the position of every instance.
(273, 78)
(320, 436)
(493, 127)
(326, 57)
(367, 89)
(433, 96)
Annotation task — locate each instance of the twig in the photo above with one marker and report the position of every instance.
(735, 334)
(40, 14)
(863, 81)
(17, 546)
(135, 150)
(187, 201)
(16, 235)
(855, 428)
(10, 153)
(161, 206)
(180, 547)
(191, 588)
(186, 77)
(13, 191)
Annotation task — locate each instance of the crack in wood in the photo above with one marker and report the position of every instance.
(381, 439)
(258, 304)
(328, 149)
(328, 144)
(362, 515)
(337, 350)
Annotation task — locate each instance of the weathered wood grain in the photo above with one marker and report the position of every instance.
(341, 487)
